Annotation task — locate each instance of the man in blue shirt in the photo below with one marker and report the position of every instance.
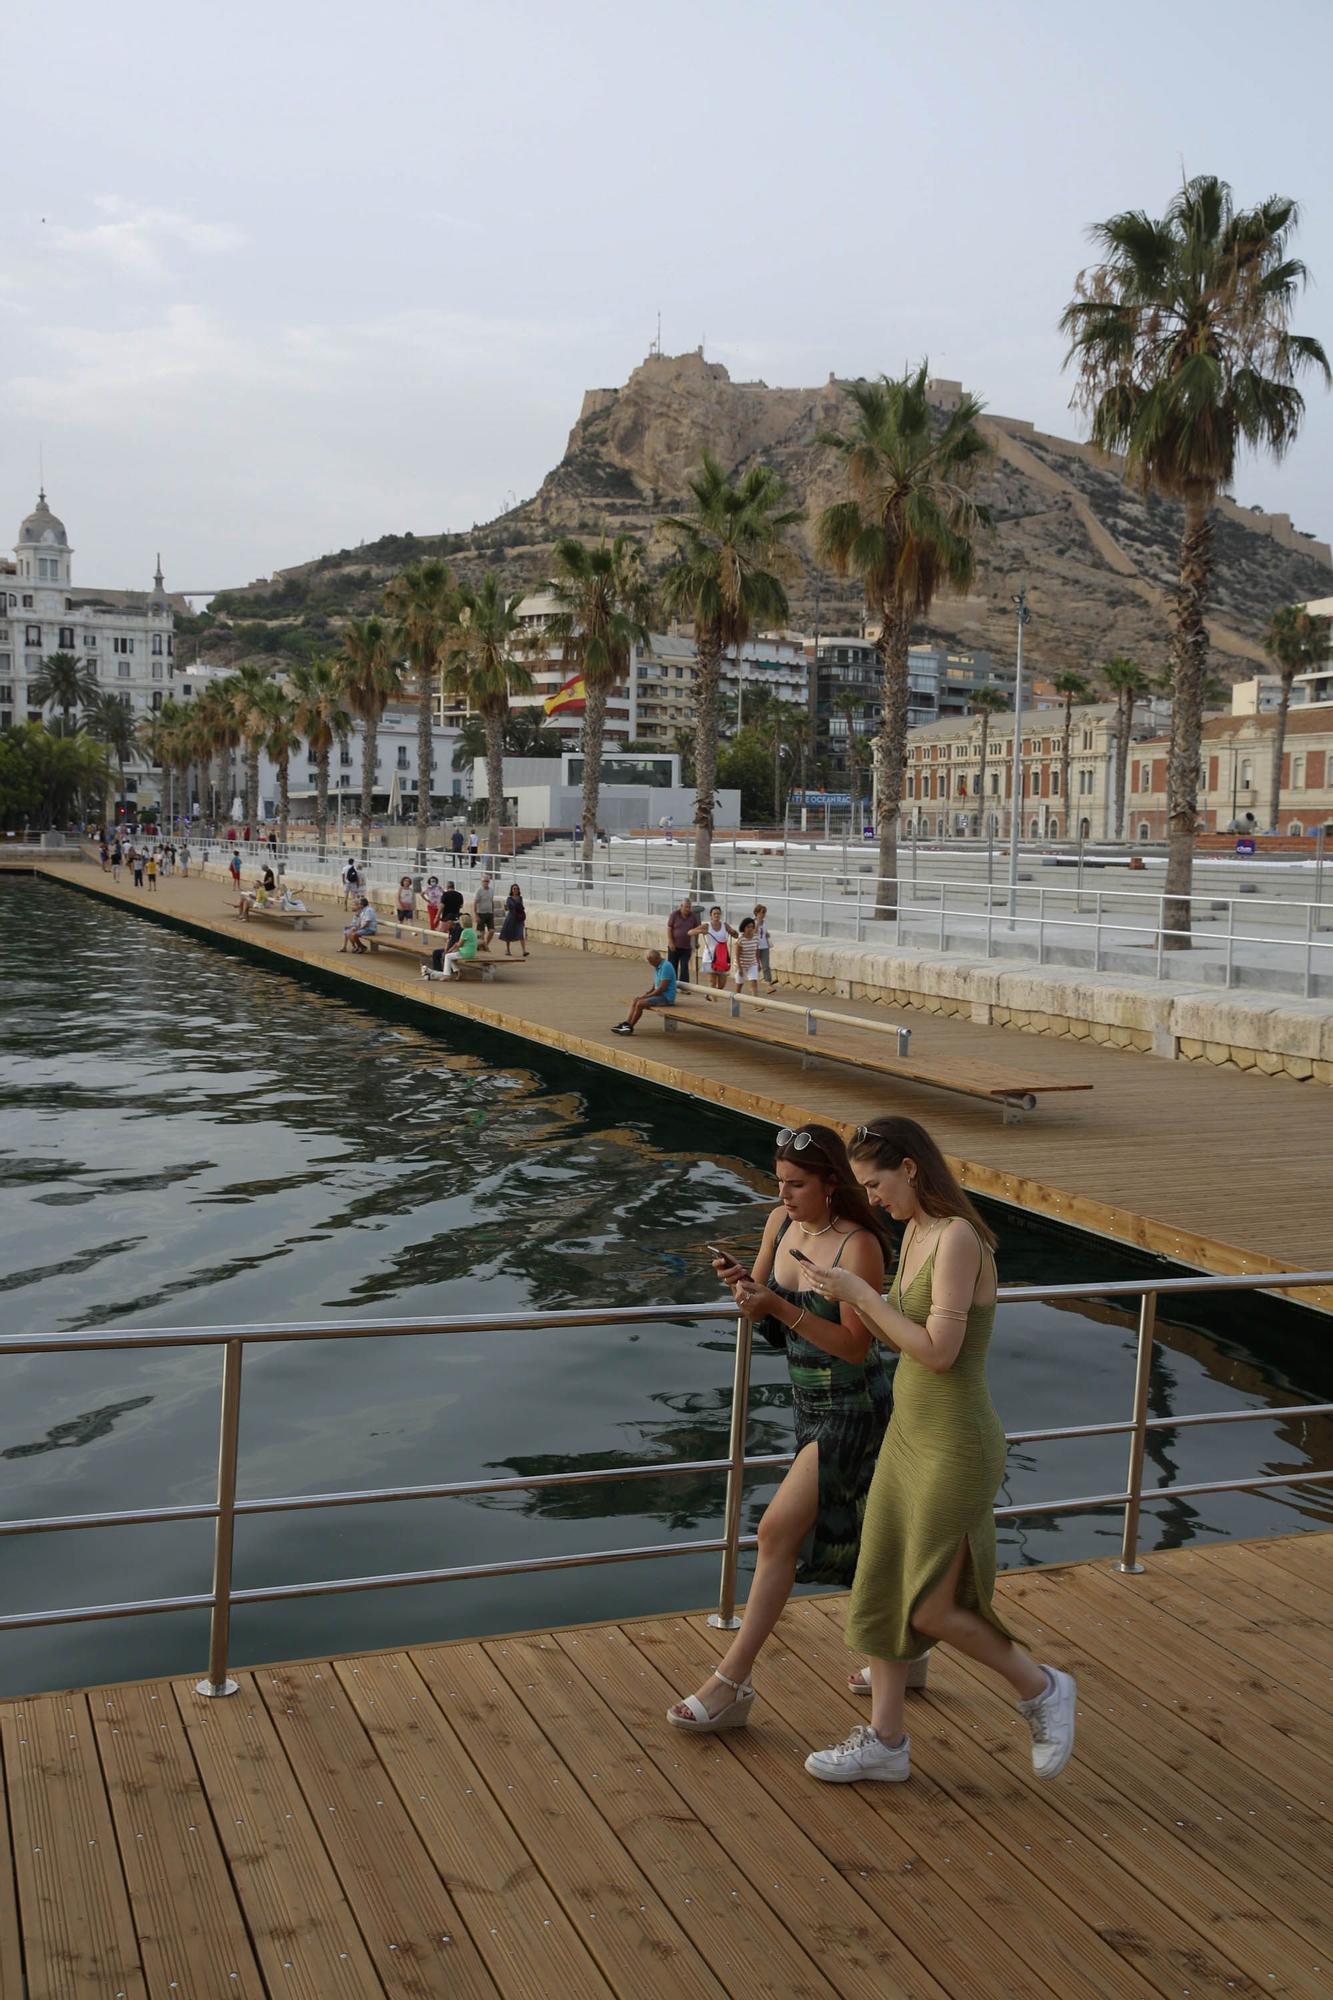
(662, 993)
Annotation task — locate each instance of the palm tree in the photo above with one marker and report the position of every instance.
(605, 604)
(216, 731)
(1296, 641)
(111, 722)
(1127, 682)
(684, 743)
(246, 695)
(423, 604)
(281, 739)
(1074, 687)
(63, 682)
(852, 708)
(481, 667)
(370, 677)
(907, 529)
(720, 580)
(321, 716)
(1184, 354)
(985, 702)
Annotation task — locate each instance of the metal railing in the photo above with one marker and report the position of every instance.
(226, 1508)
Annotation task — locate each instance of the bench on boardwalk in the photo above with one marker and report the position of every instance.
(884, 1052)
(419, 941)
(300, 920)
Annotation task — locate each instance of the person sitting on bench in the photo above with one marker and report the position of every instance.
(662, 993)
(447, 962)
(363, 925)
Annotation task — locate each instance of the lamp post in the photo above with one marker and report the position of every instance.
(1016, 801)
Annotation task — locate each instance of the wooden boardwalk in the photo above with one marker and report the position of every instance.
(513, 1817)
(1207, 1166)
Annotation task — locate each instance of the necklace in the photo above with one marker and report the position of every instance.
(816, 1232)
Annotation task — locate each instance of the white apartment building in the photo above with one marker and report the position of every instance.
(125, 637)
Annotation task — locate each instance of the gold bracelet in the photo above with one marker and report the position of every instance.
(797, 1321)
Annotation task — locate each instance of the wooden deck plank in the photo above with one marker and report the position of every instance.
(411, 1925)
(1306, 1556)
(305, 1937)
(1276, 1592)
(11, 1947)
(1230, 1608)
(1104, 1860)
(524, 1937)
(735, 1929)
(78, 1930)
(1238, 1830)
(911, 1845)
(191, 1929)
(1285, 1734)
(634, 1933)
(859, 1956)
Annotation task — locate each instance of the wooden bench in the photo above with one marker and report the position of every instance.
(420, 942)
(300, 920)
(1016, 1092)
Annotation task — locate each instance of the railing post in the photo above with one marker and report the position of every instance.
(1129, 1542)
(1231, 941)
(725, 1616)
(216, 1681)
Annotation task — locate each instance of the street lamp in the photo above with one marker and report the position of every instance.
(1016, 804)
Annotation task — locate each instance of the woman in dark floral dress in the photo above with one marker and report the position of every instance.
(841, 1397)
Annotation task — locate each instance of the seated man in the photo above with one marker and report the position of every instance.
(363, 925)
(662, 993)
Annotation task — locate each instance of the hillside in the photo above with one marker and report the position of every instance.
(1097, 559)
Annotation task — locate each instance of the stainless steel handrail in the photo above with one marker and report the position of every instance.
(226, 1507)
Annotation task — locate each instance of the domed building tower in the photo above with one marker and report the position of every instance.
(42, 552)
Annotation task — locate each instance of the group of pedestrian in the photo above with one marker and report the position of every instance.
(146, 864)
(900, 1450)
(457, 843)
(739, 952)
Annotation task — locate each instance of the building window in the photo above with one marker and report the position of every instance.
(123, 669)
(402, 756)
(91, 665)
(1295, 828)
(157, 701)
(27, 604)
(1246, 775)
(66, 638)
(157, 670)
(1297, 773)
(32, 635)
(6, 692)
(1055, 784)
(89, 642)
(170, 646)
(122, 645)
(344, 756)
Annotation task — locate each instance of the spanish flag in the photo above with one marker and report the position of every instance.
(571, 699)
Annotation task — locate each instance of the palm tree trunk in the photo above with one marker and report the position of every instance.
(707, 721)
(495, 779)
(252, 786)
(322, 799)
(284, 801)
(890, 750)
(1124, 729)
(425, 759)
(369, 747)
(1064, 766)
(1190, 654)
(594, 734)
(1279, 744)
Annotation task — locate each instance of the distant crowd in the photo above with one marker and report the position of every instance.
(146, 859)
(737, 953)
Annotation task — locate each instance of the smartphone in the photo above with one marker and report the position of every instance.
(727, 1256)
(801, 1258)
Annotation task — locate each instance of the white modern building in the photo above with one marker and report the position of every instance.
(639, 793)
(124, 637)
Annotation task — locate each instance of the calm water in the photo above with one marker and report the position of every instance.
(189, 1137)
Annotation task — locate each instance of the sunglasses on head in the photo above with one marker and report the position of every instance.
(798, 1141)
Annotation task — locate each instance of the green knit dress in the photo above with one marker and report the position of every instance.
(934, 1487)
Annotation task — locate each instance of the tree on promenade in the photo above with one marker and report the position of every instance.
(1071, 687)
(246, 697)
(1128, 683)
(370, 676)
(422, 604)
(48, 777)
(282, 739)
(110, 722)
(481, 667)
(985, 702)
(1184, 355)
(907, 529)
(1296, 641)
(605, 604)
(63, 682)
(724, 581)
(320, 715)
(217, 734)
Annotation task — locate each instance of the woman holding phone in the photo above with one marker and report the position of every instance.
(926, 1571)
(840, 1394)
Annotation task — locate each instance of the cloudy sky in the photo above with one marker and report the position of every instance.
(276, 279)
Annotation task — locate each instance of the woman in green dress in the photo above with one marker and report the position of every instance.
(840, 1397)
(926, 1571)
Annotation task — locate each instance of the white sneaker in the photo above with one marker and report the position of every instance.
(863, 1756)
(1051, 1717)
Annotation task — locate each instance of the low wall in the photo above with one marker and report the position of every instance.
(1291, 1038)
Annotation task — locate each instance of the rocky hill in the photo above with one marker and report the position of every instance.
(1098, 560)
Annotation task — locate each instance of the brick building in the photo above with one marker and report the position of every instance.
(942, 788)
(1237, 772)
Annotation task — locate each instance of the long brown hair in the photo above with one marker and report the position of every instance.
(825, 1154)
(887, 1142)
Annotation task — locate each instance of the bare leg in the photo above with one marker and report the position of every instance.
(888, 1685)
(788, 1519)
(939, 1616)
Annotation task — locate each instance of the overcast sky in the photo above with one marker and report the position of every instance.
(278, 278)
